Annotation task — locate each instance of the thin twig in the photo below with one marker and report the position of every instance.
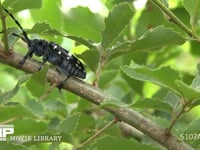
(96, 134)
(176, 116)
(4, 31)
(8, 121)
(48, 91)
(174, 19)
(174, 119)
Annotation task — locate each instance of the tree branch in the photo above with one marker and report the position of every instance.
(175, 19)
(97, 96)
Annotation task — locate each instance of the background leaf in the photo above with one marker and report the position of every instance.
(91, 58)
(80, 21)
(37, 82)
(14, 111)
(153, 39)
(165, 77)
(69, 125)
(193, 9)
(118, 18)
(22, 4)
(119, 144)
(53, 16)
(153, 104)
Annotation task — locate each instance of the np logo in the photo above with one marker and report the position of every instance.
(5, 130)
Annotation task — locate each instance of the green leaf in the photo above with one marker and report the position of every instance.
(50, 12)
(172, 99)
(91, 58)
(151, 40)
(196, 80)
(195, 103)
(4, 97)
(116, 21)
(80, 21)
(12, 146)
(19, 5)
(29, 126)
(165, 77)
(153, 104)
(39, 28)
(109, 4)
(86, 123)
(106, 77)
(11, 39)
(69, 125)
(187, 91)
(117, 143)
(10, 112)
(191, 133)
(194, 47)
(113, 103)
(82, 41)
(193, 127)
(55, 107)
(193, 8)
(37, 82)
(44, 28)
(150, 17)
(36, 107)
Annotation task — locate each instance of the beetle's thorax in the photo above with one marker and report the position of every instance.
(38, 46)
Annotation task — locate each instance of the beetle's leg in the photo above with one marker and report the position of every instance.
(29, 54)
(61, 84)
(45, 58)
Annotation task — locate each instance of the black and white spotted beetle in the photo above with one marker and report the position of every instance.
(51, 52)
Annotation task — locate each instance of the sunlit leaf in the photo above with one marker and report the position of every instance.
(19, 5)
(50, 12)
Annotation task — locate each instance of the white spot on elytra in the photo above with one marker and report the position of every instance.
(54, 47)
(59, 52)
(69, 54)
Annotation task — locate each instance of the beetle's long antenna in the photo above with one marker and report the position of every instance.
(26, 39)
(23, 38)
